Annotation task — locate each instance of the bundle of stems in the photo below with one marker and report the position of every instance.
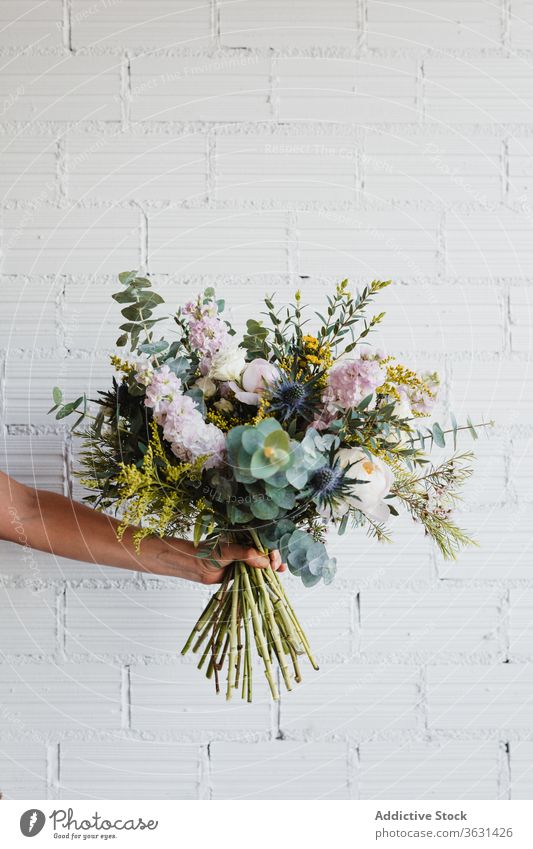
(250, 607)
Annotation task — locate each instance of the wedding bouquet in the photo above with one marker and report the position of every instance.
(266, 441)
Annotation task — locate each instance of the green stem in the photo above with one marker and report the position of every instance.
(259, 637)
(274, 630)
(233, 635)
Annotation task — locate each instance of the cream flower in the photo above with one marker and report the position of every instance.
(368, 497)
(227, 364)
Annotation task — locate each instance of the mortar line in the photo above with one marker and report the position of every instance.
(215, 22)
(53, 770)
(292, 251)
(420, 93)
(205, 779)
(361, 12)
(505, 22)
(143, 236)
(125, 698)
(125, 90)
(211, 165)
(503, 779)
(354, 770)
(61, 622)
(273, 90)
(67, 25)
(505, 175)
(503, 625)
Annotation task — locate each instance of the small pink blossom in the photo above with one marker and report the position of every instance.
(350, 381)
(162, 390)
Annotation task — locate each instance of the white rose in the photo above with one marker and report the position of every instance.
(227, 364)
(206, 386)
(367, 497)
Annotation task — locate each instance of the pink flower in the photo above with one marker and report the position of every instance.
(208, 335)
(161, 391)
(255, 378)
(183, 425)
(350, 381)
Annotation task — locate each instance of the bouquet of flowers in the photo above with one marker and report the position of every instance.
(298, 427)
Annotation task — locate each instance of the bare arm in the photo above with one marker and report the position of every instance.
(53, 523)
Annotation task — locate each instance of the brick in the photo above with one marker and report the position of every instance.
(19, 562)
(358, 699)
(472, 698)
(70, 241)
(223, 242)
(431, 623)
(267, 167)
(488, 246)
(29, 316)
(61, 88)
(521, 19)
(273, 23)
(120, 167)
(132, 621)
(129, 769)
(488, 484)
(440, 319)
(520, 149)
(36, 461)
(28, 389)
(232, 88)
(357, 91)
(26, 23)
(521, 770)
(28, 168)
(370, 244)
(364, 561)
(521, 622)
(437, 23)
(27, 621)
(43, 696)
(483, 91)
(447, 770)
(179, 697)
(22, 770)
(521, 471)
(502, 554)
(439, 170)
(91, 318)
(498, 390)
(521, 304)
(279, 770)
(325, 614)
(128, 23)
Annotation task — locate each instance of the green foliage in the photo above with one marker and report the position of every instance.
(140, 301)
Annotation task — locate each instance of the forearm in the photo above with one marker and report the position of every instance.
(67, 528)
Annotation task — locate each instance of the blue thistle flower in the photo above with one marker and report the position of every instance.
(292, 397)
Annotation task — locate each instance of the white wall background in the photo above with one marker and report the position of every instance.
(264, 145)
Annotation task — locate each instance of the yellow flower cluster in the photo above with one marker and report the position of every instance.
(150, 494)
(122, 365)
(400, 375)
(316, 353)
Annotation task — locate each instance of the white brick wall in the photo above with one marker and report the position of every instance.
(264, 146)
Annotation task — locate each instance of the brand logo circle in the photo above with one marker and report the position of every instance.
(32, 822)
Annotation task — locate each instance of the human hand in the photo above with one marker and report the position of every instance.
(181, 559)
(231, 552)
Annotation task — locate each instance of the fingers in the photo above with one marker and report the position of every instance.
(256, 559)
